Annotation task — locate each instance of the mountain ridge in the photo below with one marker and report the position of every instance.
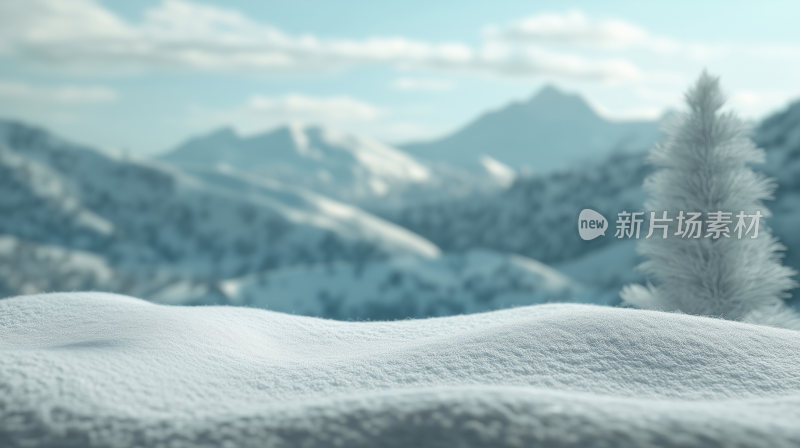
(136, 213)
(342, 165)
(544, 132)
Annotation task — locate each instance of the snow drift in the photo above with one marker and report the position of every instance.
(88, 369)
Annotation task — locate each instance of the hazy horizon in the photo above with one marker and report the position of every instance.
(143, 77)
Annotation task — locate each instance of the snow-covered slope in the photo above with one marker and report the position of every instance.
(28, 267)
(537, 215)
(337, 164)
(605, 270)
(780, 136)
(100, 370)
(399, 288)
(141, 214)
(551, 130)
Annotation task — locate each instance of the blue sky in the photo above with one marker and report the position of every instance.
(142, 76)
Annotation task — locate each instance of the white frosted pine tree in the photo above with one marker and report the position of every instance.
(704, 166)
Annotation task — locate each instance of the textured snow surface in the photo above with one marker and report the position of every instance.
(88, 369)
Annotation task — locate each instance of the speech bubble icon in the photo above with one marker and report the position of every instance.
(591, 224)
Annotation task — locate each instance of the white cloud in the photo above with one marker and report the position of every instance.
(575, 28)
(19, 91)
(757, 103)
(652, 102)
(422, 84)
(634, 113)
(261, 112)
(177, 33)
(312, 109)
(569, 47)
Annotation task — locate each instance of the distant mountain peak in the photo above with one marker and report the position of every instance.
(554, 99)
(293, 130)
(551, 91)
(225, 132)
(550, 130)
(334, 163)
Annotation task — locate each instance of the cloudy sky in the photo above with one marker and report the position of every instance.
(142, 76)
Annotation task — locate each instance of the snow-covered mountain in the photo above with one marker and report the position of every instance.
(340, 165)
(138, 214)
(455, 283)
(535, 217)
(28, 267)
(77, 218)
(552, 129)
(82, 219)
(779, 134)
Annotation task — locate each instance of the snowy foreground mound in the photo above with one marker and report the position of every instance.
(106, 370)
